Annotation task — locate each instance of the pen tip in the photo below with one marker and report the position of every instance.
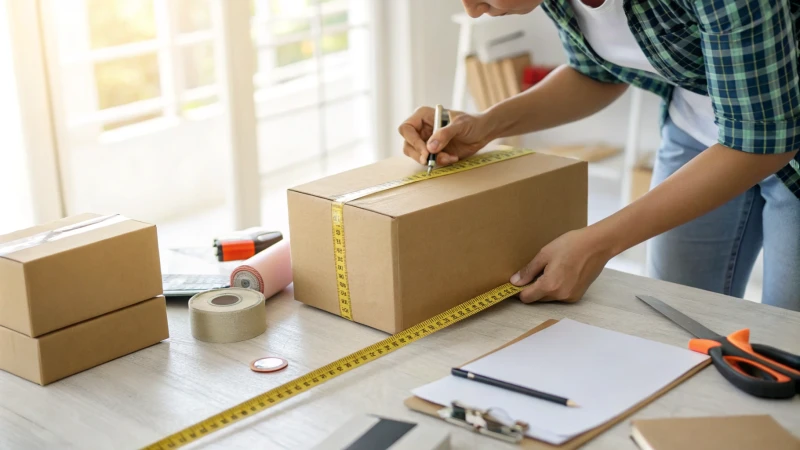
(572, 404)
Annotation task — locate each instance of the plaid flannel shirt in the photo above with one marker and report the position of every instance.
(741, 53)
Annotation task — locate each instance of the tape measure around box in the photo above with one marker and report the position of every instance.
(316, 377)
(366, 355)
(337, 212)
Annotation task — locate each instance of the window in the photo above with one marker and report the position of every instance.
(135, 85)
(125, 62)
(313, 85)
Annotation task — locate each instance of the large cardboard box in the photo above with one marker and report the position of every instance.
(420, 249)
(74, 269)
(65, 352)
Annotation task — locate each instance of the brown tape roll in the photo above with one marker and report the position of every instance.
(227, 315)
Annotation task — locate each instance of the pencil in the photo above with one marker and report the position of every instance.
(512, 387)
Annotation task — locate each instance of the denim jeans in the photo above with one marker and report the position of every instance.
(717, 251)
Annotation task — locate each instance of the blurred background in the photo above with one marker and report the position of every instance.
(197, 115)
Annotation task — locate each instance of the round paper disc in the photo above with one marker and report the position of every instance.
(268, 364)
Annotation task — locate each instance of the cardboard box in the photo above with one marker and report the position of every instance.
(74, 269)
(420, 249)
(70, 350)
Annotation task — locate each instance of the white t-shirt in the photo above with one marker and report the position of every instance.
(606, 30)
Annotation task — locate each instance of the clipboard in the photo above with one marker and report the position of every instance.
(417, 404)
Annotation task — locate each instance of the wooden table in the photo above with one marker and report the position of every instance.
(137, 399)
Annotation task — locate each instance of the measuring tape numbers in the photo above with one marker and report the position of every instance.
(326, 373)
(337, 212)
(366, 355)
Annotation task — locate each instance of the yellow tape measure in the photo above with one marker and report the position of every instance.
(337, 212)
(316, 377)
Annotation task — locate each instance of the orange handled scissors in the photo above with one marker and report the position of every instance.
(757, 369)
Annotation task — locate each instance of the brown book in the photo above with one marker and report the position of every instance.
(713, 433)
(494, 82)
(477, 83)
(513, 69)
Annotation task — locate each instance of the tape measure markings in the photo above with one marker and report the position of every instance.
(337, 212)
(342, 283)
(343, 365)
(330, 371)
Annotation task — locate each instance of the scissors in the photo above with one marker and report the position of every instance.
(759, 370)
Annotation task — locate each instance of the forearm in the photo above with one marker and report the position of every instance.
(565, 96)
(708, 181)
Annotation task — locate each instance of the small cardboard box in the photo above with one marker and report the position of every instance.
(55, 275)
(70, 350)
(417, 250)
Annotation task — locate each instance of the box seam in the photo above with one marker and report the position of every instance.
(577, 163)
(96, 317)
(40, 365)
(149, 225)
(397, 288)
(28, 311)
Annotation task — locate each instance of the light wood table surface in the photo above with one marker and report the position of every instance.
(137, 399)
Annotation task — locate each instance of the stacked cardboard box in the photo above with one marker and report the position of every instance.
(76, 293)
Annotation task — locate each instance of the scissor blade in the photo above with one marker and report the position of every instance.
(684, 321)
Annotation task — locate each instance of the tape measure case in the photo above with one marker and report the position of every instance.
(419, 248)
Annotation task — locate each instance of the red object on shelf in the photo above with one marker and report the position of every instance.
(534, 74)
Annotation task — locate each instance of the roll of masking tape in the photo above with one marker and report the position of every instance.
(227, 315)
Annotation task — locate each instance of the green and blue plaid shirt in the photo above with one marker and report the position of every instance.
(741, 53)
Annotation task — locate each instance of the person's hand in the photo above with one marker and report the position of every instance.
(462, 137)
(565, 267)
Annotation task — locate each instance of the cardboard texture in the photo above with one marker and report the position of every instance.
(70, 350)
(425, 407)
(754, 432)
(420, 249)
(58, 283)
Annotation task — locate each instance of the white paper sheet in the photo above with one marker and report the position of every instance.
(605, 372)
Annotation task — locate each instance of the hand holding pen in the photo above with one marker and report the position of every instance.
(459, 136)
(441, 118)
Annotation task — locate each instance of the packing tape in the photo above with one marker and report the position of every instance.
(59, 233)
(268, 271)
(337, 212)
(227, 315)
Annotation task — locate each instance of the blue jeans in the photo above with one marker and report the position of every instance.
(717, 251)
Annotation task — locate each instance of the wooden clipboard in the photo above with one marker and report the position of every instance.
(425, 407)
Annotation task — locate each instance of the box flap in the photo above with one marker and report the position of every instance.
(425, 194)
(64, 234)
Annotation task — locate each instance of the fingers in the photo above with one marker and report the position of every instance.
(442, 137)
(414, 146)
(411, 131)
(412, 152)
(530, 271)
(551, 286)
(546, 281)
(543, 289)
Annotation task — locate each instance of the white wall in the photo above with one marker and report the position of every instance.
(434, 39)
(15, 205)
(161, 175)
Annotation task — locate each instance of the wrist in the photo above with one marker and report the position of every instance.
(605, 240)
(495, 122)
